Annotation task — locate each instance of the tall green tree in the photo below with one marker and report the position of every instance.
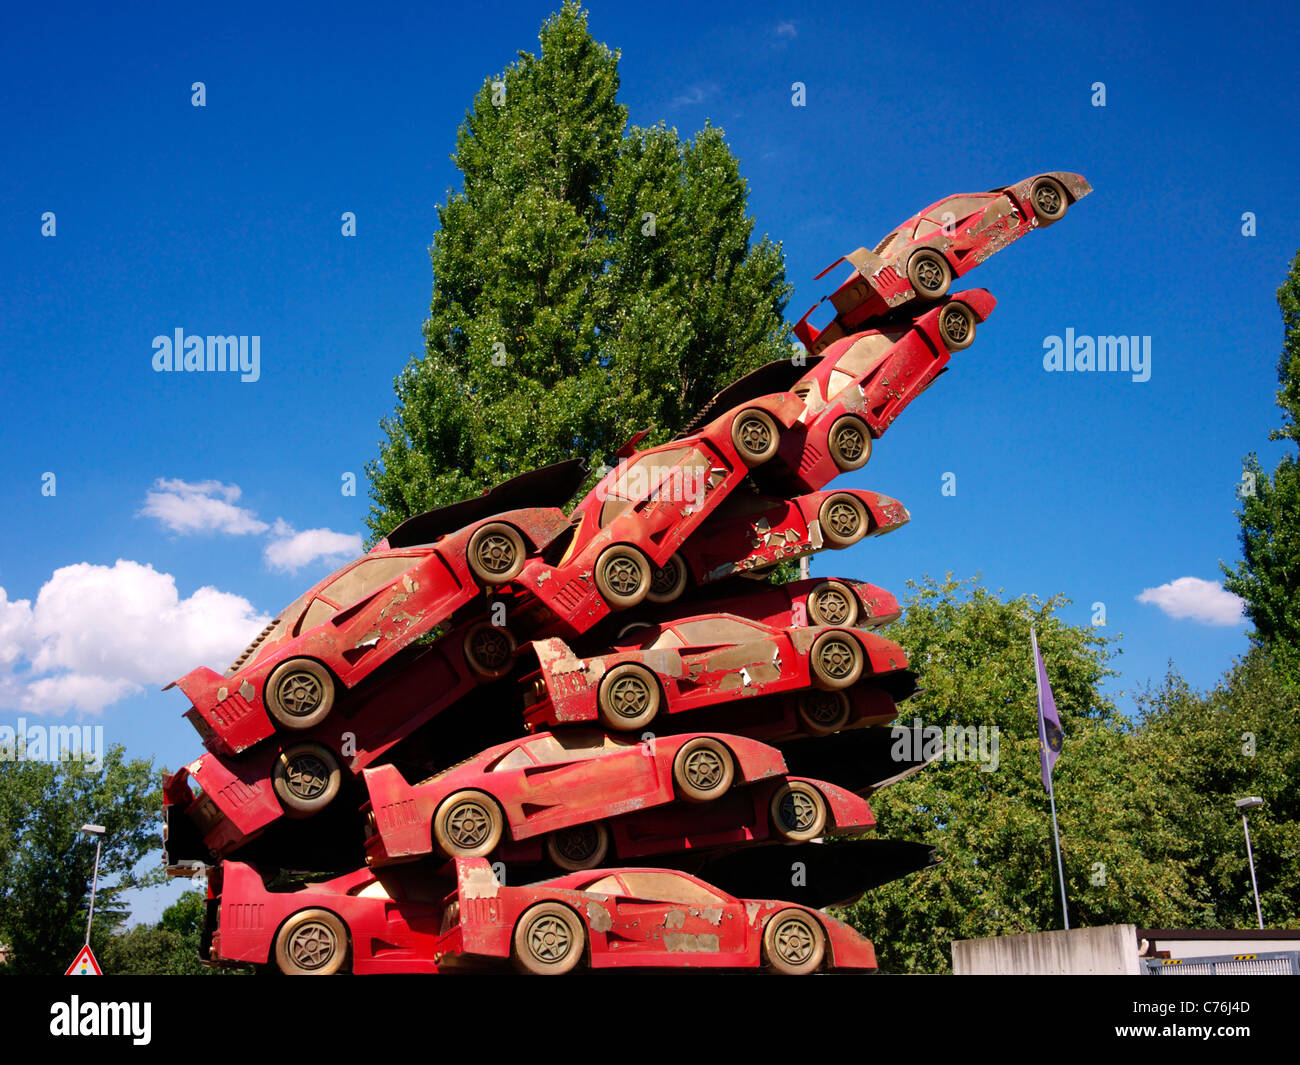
(46, 864)
(1268, 575)
(590, 280)
(992, 826)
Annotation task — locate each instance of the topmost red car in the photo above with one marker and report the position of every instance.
(921, 257)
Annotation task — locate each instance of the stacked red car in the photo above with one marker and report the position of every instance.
(518, 734)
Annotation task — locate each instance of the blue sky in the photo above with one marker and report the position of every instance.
(225, 219)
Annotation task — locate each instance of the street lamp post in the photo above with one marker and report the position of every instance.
(1249, 803)
(97, 831)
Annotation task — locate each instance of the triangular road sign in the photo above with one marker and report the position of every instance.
(84, 964)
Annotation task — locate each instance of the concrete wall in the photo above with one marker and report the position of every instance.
(1110, 949)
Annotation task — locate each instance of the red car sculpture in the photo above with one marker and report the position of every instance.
(697, 662)
(645, 508)
(920, 258)
(862, 383)
(355, 621)
(637, 918)
(783, 809)
(544, 784)
(750, 533)
(814, 601)
(383, 921)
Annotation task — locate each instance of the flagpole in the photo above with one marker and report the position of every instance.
(1051, 791)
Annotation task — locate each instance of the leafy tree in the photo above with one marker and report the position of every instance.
(992, 829)
(1268, 576)
(46, 864)
(1205, 750)
(168, 948)
(589, 281)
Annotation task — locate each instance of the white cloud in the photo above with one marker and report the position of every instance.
(695, 95)
(787, 30)
(1190, 597)
(97, 634)
(200, 507)
(290, 550)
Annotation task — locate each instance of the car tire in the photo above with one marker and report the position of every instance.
(793, 943)
(628, 698)
(849, 442)
(668, 582)
(957, 326)
(823, 712)
(703, 770)
(549, 940)
(299, 694)
(755, 435)
(844, 519)
(306, 778)
(311, 943)
(798, 812)
(835, 661)
(929, 274)
(489, 650)
(468, 824)
(1049, 200)
(832, 603)
(623, 576)
(495, 553)
(578, 847)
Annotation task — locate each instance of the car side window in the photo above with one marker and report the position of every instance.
(670, 887)
(367, 577)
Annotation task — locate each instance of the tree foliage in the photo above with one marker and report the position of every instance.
(1268, 575)
(46, 863)
(590, 280)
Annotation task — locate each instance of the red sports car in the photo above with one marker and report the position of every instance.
(646, 507)
(544, 784)
(921, 257)
(863, 382)
(382, 921)
(750, 533)
(354, 622)
(783, 809)
(697, 662)
(834, 601)
(637, 918)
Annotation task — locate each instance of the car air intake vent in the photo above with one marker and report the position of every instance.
(239, 662)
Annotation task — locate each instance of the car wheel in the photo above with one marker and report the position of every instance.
(306, 778)
(794, 943)
(628, 698)
(957, 326)
(1049, 200)
(311, 943)
(836, 661)
(755, 435)
(623, 576)
(668, 583)
(550, 939)
(823, 712)
(844, 519)
(495, 553)
(468, 825)
(929, 274)
(798, 812)
(832, 603)
(489, 650)
(703, 770)
(299, 694)
(850, 443)
(578, 847)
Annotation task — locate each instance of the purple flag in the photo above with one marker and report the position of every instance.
(1050, 735)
